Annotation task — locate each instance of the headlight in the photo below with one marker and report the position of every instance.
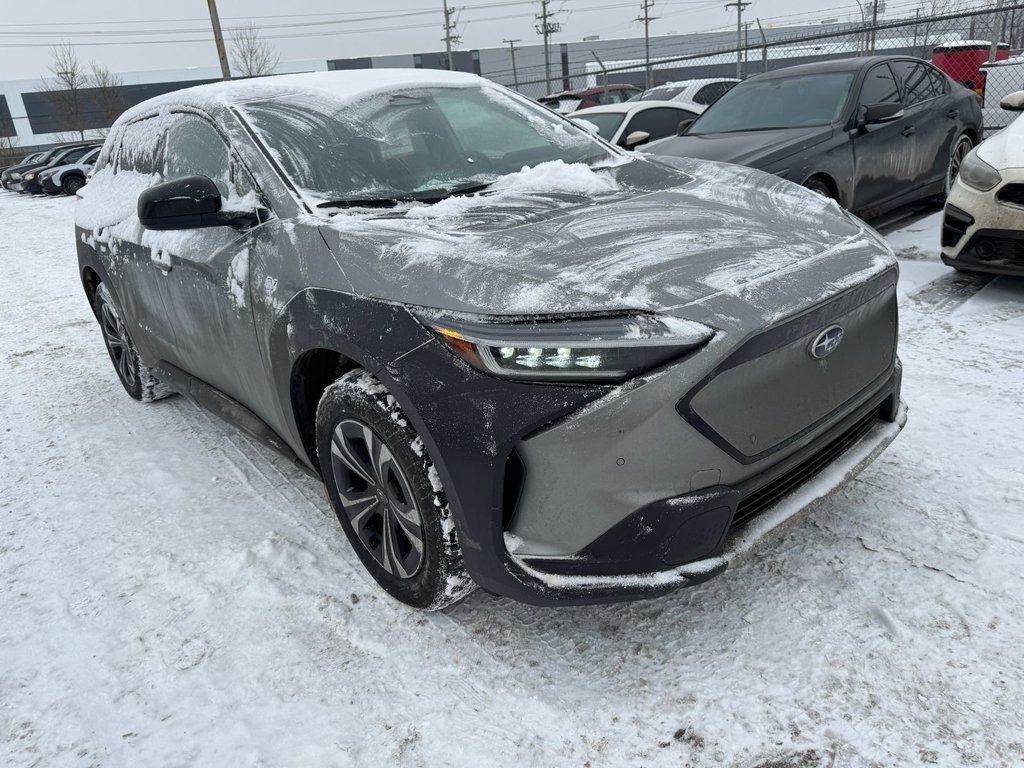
(15, 177)
(29, 176)
(977, 174)
(591, 350)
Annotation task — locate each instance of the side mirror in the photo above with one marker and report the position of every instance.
(885, 112)
(684, 126)
(191, 202)
(635, 139)
(1013, 102)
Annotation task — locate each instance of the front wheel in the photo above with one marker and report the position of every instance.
(961, 148)
(71, 184)
(387, 494)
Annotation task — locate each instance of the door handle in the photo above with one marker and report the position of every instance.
(909, 130)
(953, 114)
(161, 259)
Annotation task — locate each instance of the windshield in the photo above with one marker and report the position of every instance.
(424, 140)
(784, 102)
(605, 122)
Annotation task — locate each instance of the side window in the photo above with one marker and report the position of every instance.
(140, 147)
(940, 85)
(710, 92)
(659, 122)
(194, 148)
(879, 86)
(74, 155)
(918, 85)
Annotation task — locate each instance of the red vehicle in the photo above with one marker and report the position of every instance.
(962, 61)
(581, 98)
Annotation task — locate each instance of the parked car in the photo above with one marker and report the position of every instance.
(872, 133)
(705, 91)
(5, 174)
(517, 356)
(29, 182)
(634, 123)
(983, 222)
(569, 101)
(68, 179)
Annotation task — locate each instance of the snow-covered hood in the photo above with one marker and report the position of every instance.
(697, 239)
(1006, 148)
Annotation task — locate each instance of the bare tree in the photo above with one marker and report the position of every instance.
(106, 92)
(251, 55)
(8, 150)
(64, 88)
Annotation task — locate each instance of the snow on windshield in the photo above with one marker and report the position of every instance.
(399, 143)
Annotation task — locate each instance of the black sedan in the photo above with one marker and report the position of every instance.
(873, 133)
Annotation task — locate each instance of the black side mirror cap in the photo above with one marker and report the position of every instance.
(191, 202)
(883, 112)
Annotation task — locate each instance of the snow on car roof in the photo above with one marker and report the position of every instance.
(343, 85)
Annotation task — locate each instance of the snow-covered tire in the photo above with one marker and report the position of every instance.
(136, 378)
(387, 495)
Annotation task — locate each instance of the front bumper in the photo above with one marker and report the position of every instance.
(49, 186)
(703, 533)
(984, 231)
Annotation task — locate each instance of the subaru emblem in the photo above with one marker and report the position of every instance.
(826, 342)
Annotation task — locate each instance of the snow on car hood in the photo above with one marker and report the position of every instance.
(698, 239)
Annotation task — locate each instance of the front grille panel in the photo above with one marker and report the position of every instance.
(759, 500)
(772, 391)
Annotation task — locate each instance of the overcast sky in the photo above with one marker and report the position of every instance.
(127, 35)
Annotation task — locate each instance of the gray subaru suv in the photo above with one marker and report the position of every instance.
(518, 357)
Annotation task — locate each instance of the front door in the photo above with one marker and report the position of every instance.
(884, 153)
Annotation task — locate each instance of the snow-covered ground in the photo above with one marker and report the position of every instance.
(173, 595)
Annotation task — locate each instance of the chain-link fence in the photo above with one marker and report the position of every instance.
(959, 44)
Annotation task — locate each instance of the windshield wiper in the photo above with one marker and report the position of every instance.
(423, 196)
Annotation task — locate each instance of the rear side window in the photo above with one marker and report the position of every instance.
(194, 148)
(879, 86)
(141, 145)
(710, 92)
(918, 84)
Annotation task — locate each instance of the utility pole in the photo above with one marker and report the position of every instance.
(647, 19)
(994, 47)
(512, 50)
(546, 27)
(451, 37)
(218, 38)
(739, 5)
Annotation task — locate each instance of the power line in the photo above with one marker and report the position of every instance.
(546, 27)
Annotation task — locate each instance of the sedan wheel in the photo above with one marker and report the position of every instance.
(387, 495)
(961, 148)
(135, 377)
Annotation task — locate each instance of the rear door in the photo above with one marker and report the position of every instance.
(884, 153)
(933, 112)
(205, 272)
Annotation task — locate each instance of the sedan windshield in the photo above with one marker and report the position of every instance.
(784, 102)
(415, 144)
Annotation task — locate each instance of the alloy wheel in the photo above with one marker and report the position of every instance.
(956, 158)
(119, 344)
(377, 498)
